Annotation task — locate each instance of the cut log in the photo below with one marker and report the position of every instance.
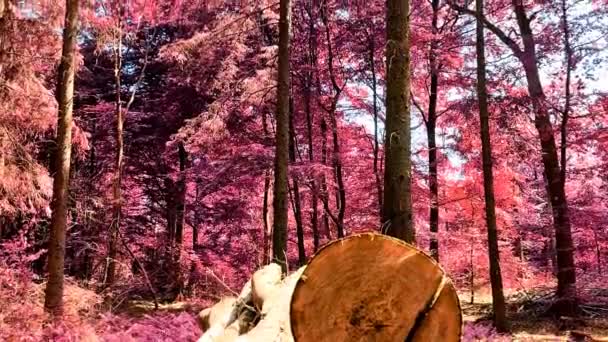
(222, 321)
(265, 283)
(370, 287)
(274, 323)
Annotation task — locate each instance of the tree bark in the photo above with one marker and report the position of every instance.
(266, 233)
(297, 204)
(498, 299)
(325, 198)
(397, 213)
(336, 158)
(431, 123)
(117, 194)
(566, 276)
(372, 62)
(568, 95)
(181, 194)
(279, 240)
(53, 300)
(312, 47)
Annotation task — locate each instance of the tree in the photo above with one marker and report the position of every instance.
(53, 300)
(119, 159)
(296, 203)
(528, 57)
(498, 299)
(431, 123)
(397, 211)
(281, 181)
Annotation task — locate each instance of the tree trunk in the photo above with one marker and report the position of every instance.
(372, 62)
(181, 195)
(566, 111)
(397, 213)
(53, 300)
(336, 159)
(297, 205)
(431, 123)
(117, 205)
(171, 210)
(180, 205)
(498, 299)
(323, 179)
(312, 47)
(566, 276)
(279, 239)
(471, 275)
(266, 227)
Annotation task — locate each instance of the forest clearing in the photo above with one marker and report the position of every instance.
(303, 170)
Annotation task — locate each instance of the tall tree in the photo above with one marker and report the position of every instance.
(280, 200)
(311, 61)
(568, 93)
(498, 299)
(119, 161)
(397, 211)
(296, 203)
(528, 57)
(376, 167)
(431, 123)
(331, 112)
(53, 300)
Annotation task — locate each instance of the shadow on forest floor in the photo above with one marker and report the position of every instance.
(531, 318)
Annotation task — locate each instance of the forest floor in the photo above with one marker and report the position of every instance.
(529, 315)
(531, 318)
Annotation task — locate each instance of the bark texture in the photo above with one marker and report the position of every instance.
(431, 123)
(498, 298)
(280, 199)
(53, 300)
(110, 276)
(397, 212)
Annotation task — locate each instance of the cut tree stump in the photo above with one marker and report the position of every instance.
(371, 287)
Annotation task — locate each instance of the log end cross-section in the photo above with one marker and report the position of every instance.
(371, 287)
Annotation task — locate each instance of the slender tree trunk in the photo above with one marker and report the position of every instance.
(397, 213)
(431, 123)
(195, 231)
(471, 274)
(323, 179)
(336, 158)
(266, 227)
(180, 206)
(297, 205)
(181, 195)
(171, 210)
(53, 300)
(372, 62)
(279, 240)
(566, 276)
(337, 161)
(568, 95)
(498, 299)
(117, 195)
(312, 60)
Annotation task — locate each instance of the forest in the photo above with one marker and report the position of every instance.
(158, 156)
